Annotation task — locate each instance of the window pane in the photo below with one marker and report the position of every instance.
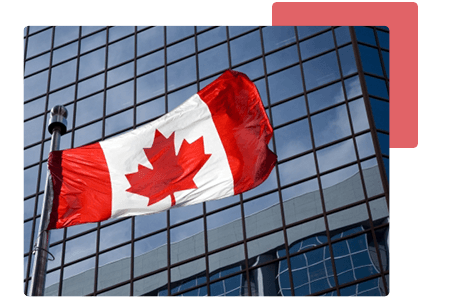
(321, 70)
(365, 35)
(33, 108)
(213, 60)
(32, 130)
(365, 145)
(353, 87)
(297, 169)
(372, 178)
(181, 73)
(36, 64)
(325, 97)
(285, 84)
(317, 45)
(180, 50)
(376, 87)
(115, 234)
(370, 60)
(150, 110)
(35, 85)
(224, 228)
(305, 31)
(117, 32)
(120, 74)
(150, 85)
(119, 122)
(262, 214)
(347, 58)
(359, 115)
(65, 52)
(380, 110)
(150, 254)
(39, 43)
(293, 139)
(301, 201)
(180, 214)
(211, 37)
(281, 59)
(119, 97)
(288, 111)
(187, 241)
(150, 39)
(277, 36)
(121, 51)
(342, 35)
(150, 285)
(179, 97)
(383, 38)
(78, 281)
(93, 41)
(330, 125)
(336, 155)
(63, 74)
(64, 34)
(245, 47)
(88, 134)
(114, 267)
(252, 69)
(342, 187)
(175, 33)
(91, 85)
(150, 62)
(92, 63)
(80, 247)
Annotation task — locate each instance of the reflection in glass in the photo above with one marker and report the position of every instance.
(123, 290)
(216, 204)
(150, 62)
(347, 59)
(150, 285)
(305, 31)
(177, 98)
(187, 241)
(79, 278)
(180, 214)
(321, 70)
(120, 51)
(150, 110)
(342, 35)
(120, 74)
(150, 254)
(301, 201)
(35, 85)
(213, 60)
(39, 43)
(63, 74)
(89, 109)
(380, 111)
(64, 53)
(277, 36)
(224, 228)
(211, 37)
(150, 85)
(383, 140)
(285, 84)
(182, 277)
(252, 69)
(52, 279)
(181, 73)
(229, 287)
(281, 59)
(342, 187)
(376, 87)
(150, 39)
(263, 280)
(262, 214)
(92, 63)
(370, 60)
(119, 122)
(114, 267)
(32, 130)
(175, 33)
(352, 87)
(297, 169)
(325, 97)
(236, 30)
(293, 139)
(330, 125)
(259, 249)
(36, 64)
(64, 34)
(88, 134)
(386, 61)
(317, 44)
(365, 35)
(245, 47)
(358, 115)
(80, 247)
(372, 177)
(117, 32)
(180, 49)
(365, 145)
(336, 155)
(288, 111)
(115, 234)
(119, 97)
(93, 41)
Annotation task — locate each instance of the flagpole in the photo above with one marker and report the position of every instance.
(57, 126)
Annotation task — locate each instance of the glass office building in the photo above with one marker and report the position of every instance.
(319, 225)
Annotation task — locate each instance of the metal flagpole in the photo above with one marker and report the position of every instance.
(57, 126)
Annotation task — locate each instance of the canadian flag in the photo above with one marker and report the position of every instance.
(212, 146)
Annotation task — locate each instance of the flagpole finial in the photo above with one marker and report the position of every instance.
(58, 115)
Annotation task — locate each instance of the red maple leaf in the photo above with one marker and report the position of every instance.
(171, 173)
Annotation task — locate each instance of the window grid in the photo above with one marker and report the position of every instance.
(279, 188)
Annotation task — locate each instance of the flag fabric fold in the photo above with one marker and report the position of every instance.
(212, 146)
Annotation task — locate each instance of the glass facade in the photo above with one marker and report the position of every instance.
(319, 225)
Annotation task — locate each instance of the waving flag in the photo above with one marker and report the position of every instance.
(212, 146)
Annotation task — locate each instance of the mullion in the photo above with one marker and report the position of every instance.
(33, 227)
(277, 173)
(322, 199)
(369, 114)
(360, 169)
